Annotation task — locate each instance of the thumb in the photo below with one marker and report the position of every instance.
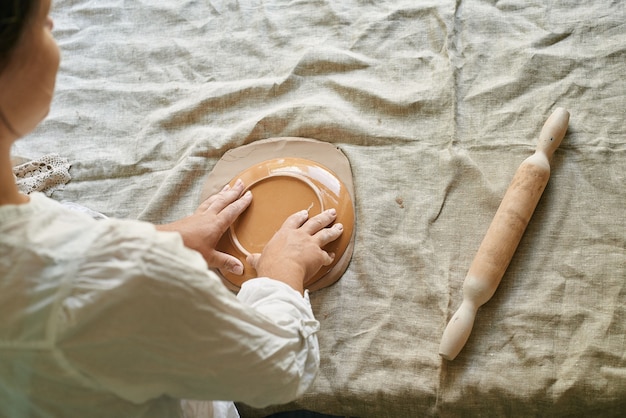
(228, 262)
(253, 259)
(328, 259)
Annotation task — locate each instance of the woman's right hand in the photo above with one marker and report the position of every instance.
(295, 254)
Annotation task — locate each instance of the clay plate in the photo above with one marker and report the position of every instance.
(281, 187)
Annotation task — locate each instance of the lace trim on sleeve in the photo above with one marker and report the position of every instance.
(46, 174)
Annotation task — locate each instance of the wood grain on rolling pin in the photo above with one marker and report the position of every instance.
(509, 223)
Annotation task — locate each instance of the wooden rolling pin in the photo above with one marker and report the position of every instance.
(504, 234)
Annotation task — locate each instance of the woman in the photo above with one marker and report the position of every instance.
(119, 318)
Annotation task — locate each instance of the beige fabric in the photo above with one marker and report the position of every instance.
(435, 104)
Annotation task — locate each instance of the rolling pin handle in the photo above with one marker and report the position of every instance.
(553, 132)
(458, 330)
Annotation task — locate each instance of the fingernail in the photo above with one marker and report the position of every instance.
(247, 194)
(332, 211)
(239, 183)
(226, 187)
(339, 226)
(238, 270)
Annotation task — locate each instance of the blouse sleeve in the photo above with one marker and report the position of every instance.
(146, 318)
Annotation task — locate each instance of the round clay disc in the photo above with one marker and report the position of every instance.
(285, 175)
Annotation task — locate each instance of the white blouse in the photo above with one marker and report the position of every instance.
(112, 318)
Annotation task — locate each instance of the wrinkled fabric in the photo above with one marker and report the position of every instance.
(116, 314)
(435, 104)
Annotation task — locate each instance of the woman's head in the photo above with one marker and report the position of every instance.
(13, 17)
(29, 60)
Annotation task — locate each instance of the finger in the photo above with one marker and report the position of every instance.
(228, 263)
(225, 197)
(208, 202)
(328, 258)
(228, 215)
(318, 222)
(296, 220)
(328, 235)
(253, 259)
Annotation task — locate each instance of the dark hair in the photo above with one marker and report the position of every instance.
(14, 14)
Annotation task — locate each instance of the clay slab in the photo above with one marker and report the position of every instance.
(285, 175)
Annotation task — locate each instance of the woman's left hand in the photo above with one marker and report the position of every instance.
(202, 230)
